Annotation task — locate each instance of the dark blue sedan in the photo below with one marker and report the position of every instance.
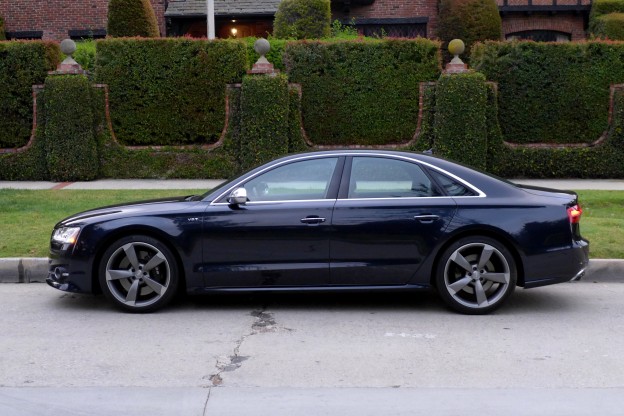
(334, 220)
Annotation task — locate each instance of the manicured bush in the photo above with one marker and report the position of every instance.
(302, 19)
(264, 119)
(602, 7)
(168, 91)
(132, 18)
(551, 92)
(71, 149)
(469, 20)
(85, 54)
(609, 26)
(426, 136)
(460, 123)
(2, 32)
(275, 55)
(296, 142)
(22, 65)
(362, 92)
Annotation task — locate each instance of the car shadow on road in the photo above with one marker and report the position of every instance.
(521, 302)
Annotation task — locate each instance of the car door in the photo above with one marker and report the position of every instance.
(280, 237)
(388, 217)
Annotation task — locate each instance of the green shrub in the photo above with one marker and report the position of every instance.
(609, 26)
(132, 18)
(302, 19)
(275, 55)
(168, 91)
(71, 149)
(460, 122)
(2, 32)
(469, 20)
(264, 119)
(85, 54)
(426, 135)
(296, 142)
(551, 92)
(22, 65)
(602, 7)
(362, 92)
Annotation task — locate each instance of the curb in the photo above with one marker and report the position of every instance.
(35, 270)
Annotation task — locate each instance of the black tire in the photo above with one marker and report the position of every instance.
(138, 274)
(475, 275)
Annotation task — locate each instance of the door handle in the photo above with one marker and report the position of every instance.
(312, 220)
(426, 217)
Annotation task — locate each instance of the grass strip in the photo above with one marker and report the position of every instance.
(27, 217)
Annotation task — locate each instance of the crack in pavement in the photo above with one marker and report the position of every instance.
(264, 322)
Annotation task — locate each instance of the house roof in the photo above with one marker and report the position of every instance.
(190, 8)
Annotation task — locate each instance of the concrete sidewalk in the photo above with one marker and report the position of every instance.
(174, 184)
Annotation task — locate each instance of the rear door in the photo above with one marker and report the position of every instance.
(388, 217)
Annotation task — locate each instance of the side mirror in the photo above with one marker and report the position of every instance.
(238, 197)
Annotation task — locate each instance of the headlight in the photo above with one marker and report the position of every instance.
(66, 235)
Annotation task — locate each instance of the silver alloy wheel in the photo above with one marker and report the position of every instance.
(138, 274)
(477, 275)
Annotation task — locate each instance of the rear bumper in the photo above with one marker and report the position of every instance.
(559, 266)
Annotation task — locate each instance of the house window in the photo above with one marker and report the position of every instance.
(24, 35)
(394, 28)
(82, 34)
(540, 36)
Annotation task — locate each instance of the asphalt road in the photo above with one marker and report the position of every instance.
(551, 351)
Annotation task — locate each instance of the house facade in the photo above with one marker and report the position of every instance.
(541, 20)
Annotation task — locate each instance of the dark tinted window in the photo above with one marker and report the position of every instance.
(451, 186)
(375, 177)
(304, 180)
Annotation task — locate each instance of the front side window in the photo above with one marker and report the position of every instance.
(297, 181)
(376, 177)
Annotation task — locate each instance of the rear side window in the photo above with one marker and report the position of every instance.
(451, 186)
(376, 177)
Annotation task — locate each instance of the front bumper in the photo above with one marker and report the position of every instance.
(69, 274)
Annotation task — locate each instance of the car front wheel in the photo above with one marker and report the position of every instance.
(138, 273)
(475, 275)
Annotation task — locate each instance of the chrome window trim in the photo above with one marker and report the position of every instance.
(279, 202)
(480, 193)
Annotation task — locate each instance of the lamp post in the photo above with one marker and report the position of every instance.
(211, 22)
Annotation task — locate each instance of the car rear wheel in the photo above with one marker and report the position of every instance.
(475, 275)
(139, 274)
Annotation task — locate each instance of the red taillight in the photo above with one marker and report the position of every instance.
(574, 214)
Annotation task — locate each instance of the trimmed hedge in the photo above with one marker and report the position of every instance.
(609, 26)
(168, 91)
(132, 18)
(302, 19)
(469, 20)
(264, 123)
(460, 120)
(362, 92)
(22, 65)
(602, 7)
(603, 161)
(275, 55)
(551, 92)
(71, 150)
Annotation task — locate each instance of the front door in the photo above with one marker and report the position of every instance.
(280, 237)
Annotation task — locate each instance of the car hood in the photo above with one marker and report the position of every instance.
(151, 206)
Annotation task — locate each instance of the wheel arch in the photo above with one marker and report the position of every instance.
(135, 230)
(497, 235)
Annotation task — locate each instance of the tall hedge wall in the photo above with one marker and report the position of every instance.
(361, 92)
(22, 64)
(168, 91)
(460, 120)
(551, 92)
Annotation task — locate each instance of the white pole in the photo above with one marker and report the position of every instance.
(211, 22)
